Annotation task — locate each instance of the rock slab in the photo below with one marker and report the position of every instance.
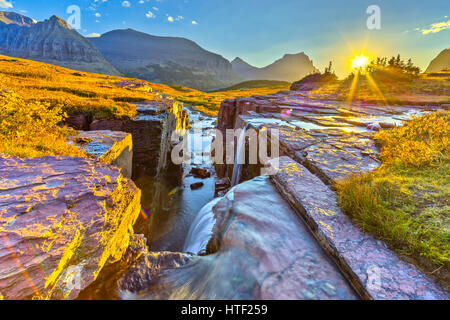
(62, 220)
(375, 271)
(109, 147)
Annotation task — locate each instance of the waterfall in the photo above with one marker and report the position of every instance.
(201, 229)
(237, 167)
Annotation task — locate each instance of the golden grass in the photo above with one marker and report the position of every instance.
(102, 96)
(30, 129)
(36, 97)
(406, 201)
(209, 103)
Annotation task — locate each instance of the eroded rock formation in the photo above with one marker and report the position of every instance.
(109, 147)
(62, 220)
(321, 142)
(151, 133)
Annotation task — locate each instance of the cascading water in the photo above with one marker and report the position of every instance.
(201, 230)
(239, 158)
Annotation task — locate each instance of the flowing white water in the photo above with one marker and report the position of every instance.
(239, 158)
(201, 229)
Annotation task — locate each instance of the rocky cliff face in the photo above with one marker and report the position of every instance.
(62, 220)
(16, 19)
(165, 59)
(440, 63)
(290, 68)
(51, 41)
(151, 132)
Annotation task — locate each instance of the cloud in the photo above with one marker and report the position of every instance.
(172, 19)
(194, 22)
(126, 4)
(150, 15)
(436, 27)
(5, 4)
(98, 15)
(93, 35)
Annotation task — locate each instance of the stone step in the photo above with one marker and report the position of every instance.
(373, 269)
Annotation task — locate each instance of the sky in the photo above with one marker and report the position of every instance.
(262, 31)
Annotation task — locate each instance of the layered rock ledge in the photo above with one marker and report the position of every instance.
(62, 220)
(374, 270)
(331, 138)
(108, 147)
(321, 142)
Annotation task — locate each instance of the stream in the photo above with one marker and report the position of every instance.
(169, 223)
(178, 220)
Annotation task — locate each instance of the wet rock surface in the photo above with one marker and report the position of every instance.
(200, 173)
(323, 141)
(197, 185)
(148, 269)
(331, 138)
(62, 220)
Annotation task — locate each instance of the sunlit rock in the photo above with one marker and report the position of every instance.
(62, 220)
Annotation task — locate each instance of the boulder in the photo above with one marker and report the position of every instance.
(200, 173)
(148, 269)
(197, 185)
(62, 219)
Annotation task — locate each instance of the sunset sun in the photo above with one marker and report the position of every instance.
(360, 62)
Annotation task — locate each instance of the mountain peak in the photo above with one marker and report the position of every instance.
(240, 62)
(441, 62)
(288, 68)
(294, 55)
(9, 17)
(237, 60)
(55, 20)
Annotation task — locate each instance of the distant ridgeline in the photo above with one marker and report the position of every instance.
(167, 60)
(52, 41)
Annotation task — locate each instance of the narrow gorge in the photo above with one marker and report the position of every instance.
(197, 230)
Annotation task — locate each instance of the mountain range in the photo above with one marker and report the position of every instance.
(291, 67)
(51, 41)
(168, 60)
